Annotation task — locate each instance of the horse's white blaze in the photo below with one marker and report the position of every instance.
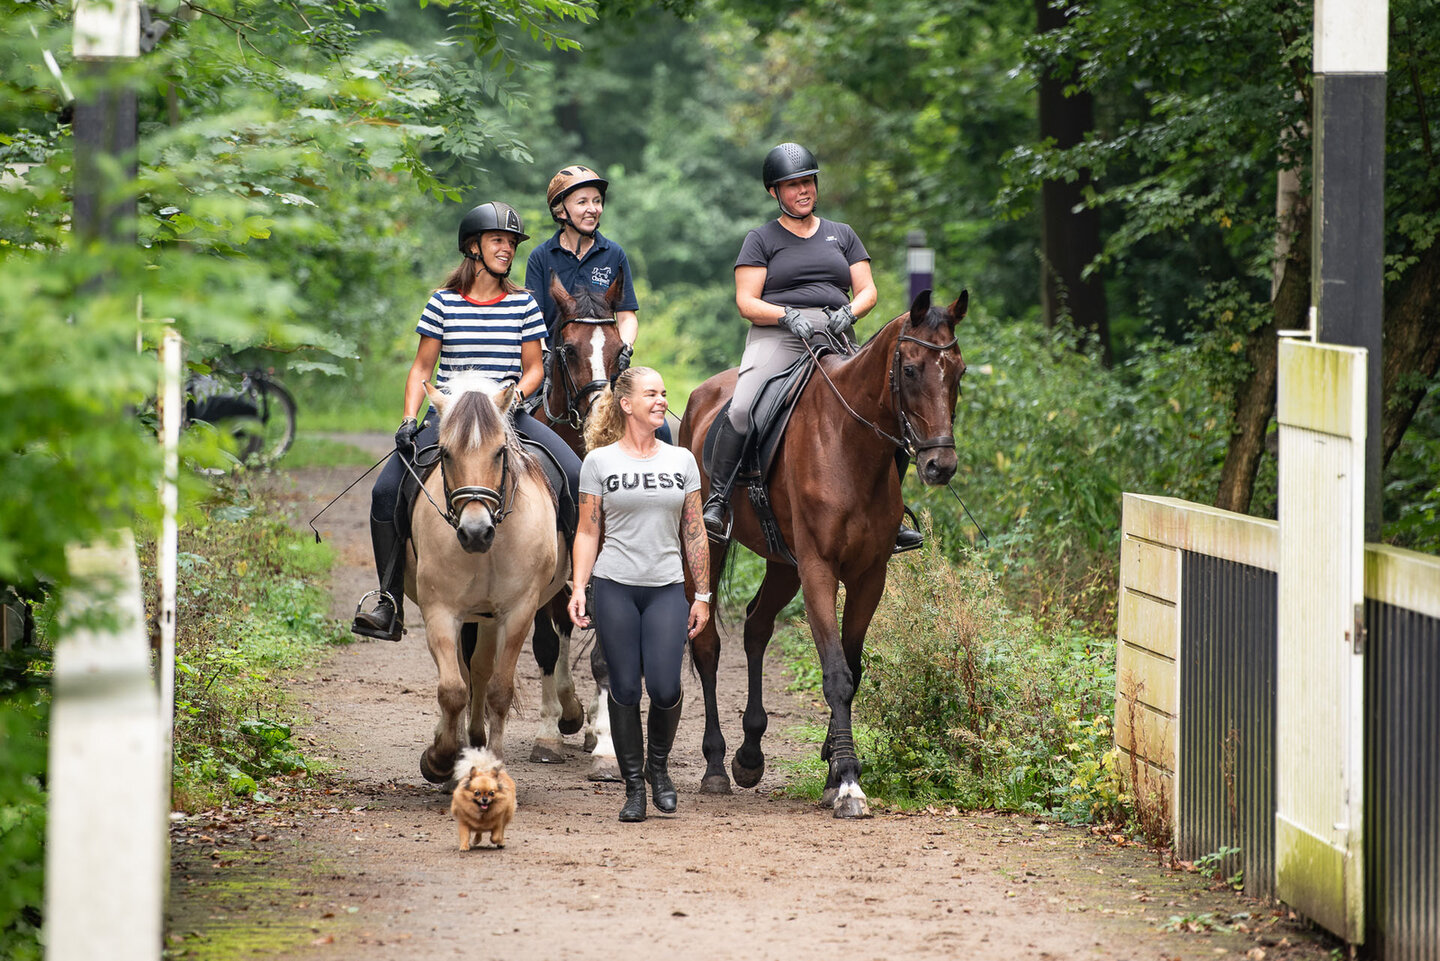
(597, 354)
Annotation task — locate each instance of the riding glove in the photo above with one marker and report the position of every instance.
(839, 319)
(795, 322)
(622, 362)
(405, 435)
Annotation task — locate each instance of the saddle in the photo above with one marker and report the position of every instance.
(769, 416)
(567, 512)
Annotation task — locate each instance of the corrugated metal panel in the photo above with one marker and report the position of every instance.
(1227, 716)
(1402, 784)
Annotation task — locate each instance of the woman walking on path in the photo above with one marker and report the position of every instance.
(644, 496)
(479, 320)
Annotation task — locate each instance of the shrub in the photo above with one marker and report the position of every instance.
(966, 700)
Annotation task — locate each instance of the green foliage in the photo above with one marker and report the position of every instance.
(248, 608)
(24, 716)
(970, 702)
(1212, 865)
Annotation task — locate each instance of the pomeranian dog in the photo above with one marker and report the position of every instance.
(484, 798)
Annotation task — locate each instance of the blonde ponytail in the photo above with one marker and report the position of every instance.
(605, 423)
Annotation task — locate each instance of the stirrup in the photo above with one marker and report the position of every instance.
(722, 536)
(914, 544)
(365, 630)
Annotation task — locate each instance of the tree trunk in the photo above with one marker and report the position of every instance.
(1254, 402)
(1412, 348)
(1069, 230)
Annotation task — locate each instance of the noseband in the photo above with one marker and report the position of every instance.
(499, 502)
(575, 394)
(910, 439)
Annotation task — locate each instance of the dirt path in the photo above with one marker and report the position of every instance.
(368, 868)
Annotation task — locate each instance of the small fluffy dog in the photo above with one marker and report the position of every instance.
(484, 798)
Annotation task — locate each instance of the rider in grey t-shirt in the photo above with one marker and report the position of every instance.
(641, 500)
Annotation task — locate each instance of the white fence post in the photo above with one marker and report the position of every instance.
(105, 837)
(168, 550)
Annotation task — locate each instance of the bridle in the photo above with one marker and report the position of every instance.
(913, 445)
(499, 502)
(909, 439)
(575, 394)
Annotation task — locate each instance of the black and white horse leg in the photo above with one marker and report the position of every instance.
(705, 654)
(842, 785)
(545, 642)
(604, 766)
(780, 583)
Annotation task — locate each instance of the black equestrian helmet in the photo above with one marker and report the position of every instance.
(491, 216)
(788, 161)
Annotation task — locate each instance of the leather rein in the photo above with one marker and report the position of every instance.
(909, 440)
(575, 394)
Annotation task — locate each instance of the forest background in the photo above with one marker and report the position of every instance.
(1120, 186)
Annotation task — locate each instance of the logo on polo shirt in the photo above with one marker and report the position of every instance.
(601, 276)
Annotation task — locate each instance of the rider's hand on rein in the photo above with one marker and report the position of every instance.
(795, 322)
(839, 319)
(405, 434)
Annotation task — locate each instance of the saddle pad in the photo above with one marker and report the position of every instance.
(769, 416)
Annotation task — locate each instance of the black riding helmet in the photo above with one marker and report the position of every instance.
(491, 216)
(788, 161)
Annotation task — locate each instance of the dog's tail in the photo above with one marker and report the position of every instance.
(482, 758)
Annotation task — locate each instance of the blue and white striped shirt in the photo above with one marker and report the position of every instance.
(481, 336)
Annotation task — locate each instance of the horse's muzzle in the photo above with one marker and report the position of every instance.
(476, 535)
(936, 467)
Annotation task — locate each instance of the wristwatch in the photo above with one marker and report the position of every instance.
(703, 596)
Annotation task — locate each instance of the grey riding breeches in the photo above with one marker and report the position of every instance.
(768, 351)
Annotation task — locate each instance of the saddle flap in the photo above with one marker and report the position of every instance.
(769, 416)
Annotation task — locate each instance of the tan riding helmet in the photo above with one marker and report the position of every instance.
(571, 179)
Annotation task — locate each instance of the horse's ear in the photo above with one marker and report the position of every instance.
(506, 398)
(560, 295)
(438, 398)
(920, 309)
(616, 290)
(961, 305)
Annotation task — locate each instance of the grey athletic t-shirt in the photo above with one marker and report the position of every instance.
(809, 271)
(641, 499)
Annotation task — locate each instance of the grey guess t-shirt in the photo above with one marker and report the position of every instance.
(641, 499)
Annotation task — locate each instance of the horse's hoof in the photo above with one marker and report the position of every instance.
(433, 772)
(715, 784)
(604, 769)
(547, 752)
(570, 726)
(852, 807)
(746, 776)
(590, 741)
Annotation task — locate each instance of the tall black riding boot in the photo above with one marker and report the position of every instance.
(907, 538)
(663, 722)
(386, 620)
(723, 468)
(630, 754)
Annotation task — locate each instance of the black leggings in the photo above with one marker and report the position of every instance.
(643, 632)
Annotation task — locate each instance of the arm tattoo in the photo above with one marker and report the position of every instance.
(590, 508)
(697, 547)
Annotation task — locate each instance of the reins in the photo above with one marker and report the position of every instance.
(908, 440)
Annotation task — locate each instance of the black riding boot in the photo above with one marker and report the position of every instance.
(724, 467)
(630, 754)
(386, 620)
(907, 538)
(663, 722)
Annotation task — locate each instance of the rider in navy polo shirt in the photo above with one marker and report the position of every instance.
(580, 255)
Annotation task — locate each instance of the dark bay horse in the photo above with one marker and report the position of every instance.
(836, 495)
(585, 346)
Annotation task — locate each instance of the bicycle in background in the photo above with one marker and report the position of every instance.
(258, 413)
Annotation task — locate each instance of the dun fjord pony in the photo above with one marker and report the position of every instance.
(485, 555)
(583, 361)
(836, 495)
